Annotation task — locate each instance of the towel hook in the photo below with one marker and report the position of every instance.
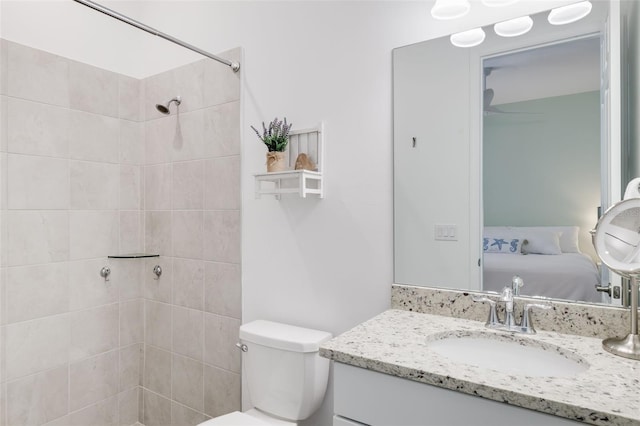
(105, 272)
(158, 271)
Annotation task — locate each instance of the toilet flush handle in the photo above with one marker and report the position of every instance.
(242, 347)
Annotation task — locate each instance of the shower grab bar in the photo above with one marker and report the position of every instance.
(235, 66)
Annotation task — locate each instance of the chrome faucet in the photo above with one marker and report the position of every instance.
(509, 324)
(507, 298)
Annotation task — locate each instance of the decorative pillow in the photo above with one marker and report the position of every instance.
(507, 245)
(542, 242)
(568, 234)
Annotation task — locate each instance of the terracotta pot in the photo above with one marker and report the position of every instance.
(276, 162)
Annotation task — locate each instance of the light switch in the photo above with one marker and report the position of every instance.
(444, 232)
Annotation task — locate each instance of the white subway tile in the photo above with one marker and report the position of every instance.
(188, 185)
(158, 232)
(188, 333)
(93, 89)
(222, 183)
(94, 186)
(157, 370)
(131, 142)
(37, 237)
(187, 238)
(39, 398)
(94, 137)
(221, 335)
(157, 324)
(157, 187)
(94, 331)
(36, 291)
(37, 129)
(93, 380)
(130, 96)
(93, 234)
(187, 386)
(223, 289)
(188, 283)
(222, 130)
(131, 187)
(37, 75)
(37, 183)
(222, 236)
(36, 345)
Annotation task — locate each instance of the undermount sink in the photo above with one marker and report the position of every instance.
(508, 354)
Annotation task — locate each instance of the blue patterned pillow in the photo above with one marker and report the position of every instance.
(502, 245)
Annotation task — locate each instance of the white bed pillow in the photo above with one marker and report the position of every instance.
(542, 242)
(568, 236)
(506, 245)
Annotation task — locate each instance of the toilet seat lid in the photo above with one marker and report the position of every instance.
(252, 417)
(236, 418)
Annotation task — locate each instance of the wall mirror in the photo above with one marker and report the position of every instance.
(504, 154)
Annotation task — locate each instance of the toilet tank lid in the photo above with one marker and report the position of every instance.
(283, 336)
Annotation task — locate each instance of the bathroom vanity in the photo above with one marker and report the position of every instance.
(391, 370)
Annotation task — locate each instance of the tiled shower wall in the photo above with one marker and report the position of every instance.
(76, 151)
(192, 217)
(72, 154)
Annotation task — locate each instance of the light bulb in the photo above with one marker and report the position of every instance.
(450, 9)
(571, 13)
(514, 27)
(468, 38)
(498, 3)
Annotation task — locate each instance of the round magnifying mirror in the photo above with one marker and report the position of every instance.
(617, 243)
(617, 237)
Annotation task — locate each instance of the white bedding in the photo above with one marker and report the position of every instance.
(571, 276)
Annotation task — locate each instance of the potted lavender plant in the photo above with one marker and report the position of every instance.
(276, 138)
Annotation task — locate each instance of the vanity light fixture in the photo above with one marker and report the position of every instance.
(468, 38)
(571, 13)
(514, 27)
(450, 9)
(498, 3)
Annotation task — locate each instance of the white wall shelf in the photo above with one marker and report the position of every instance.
(301, 182)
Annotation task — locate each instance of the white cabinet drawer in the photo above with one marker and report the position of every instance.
(379, 399)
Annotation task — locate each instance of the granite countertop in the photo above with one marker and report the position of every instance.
(396, 343)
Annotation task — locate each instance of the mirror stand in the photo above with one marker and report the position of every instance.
(629, 346)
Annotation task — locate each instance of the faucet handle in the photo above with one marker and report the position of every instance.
(527, 324)
(492, 320)
(516, 284)
(507, 294)
(482, 299)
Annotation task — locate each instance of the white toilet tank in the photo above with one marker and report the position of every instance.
(286, 376)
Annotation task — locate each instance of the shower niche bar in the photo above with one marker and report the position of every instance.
(300, 182)
(133, 256)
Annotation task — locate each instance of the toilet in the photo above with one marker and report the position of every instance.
(285, 375)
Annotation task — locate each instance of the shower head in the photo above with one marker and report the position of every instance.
(165, 108)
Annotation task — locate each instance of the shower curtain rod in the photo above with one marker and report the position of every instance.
(235, 66)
